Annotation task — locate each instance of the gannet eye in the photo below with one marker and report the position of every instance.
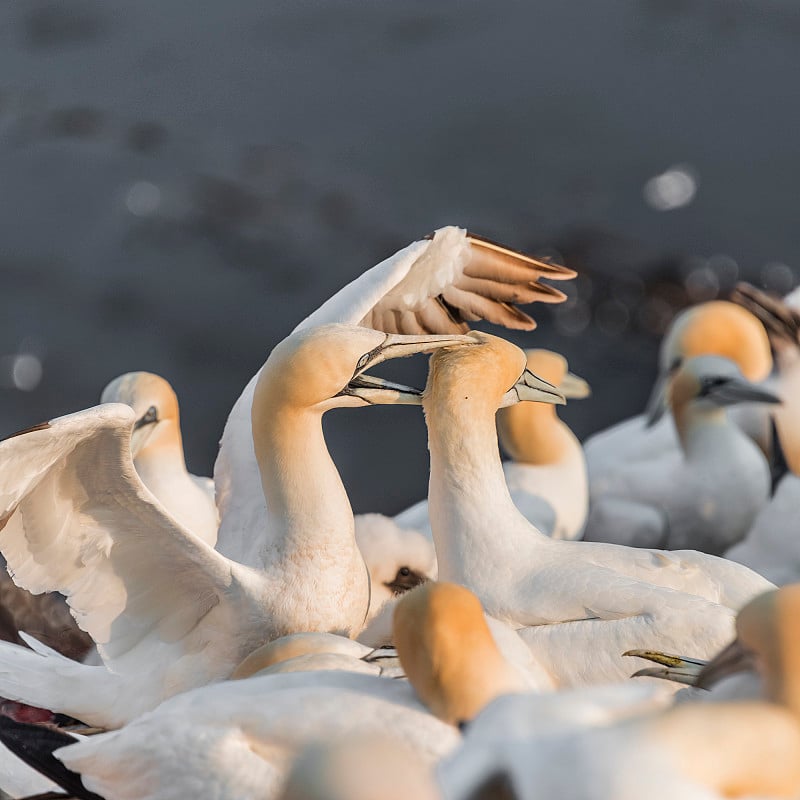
(363, 361)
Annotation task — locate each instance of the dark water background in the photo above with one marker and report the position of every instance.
(181, 182)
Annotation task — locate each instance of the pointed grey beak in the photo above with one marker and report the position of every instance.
(534, 389)
(731, 660)
(734, 391)
(657, 404)
(574, 387)
(397, 345)
(377, 391)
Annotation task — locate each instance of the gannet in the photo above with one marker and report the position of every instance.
(772, 546)
(157, 450)
(166, 610)
(547, 474)
(563, 596)
(710, 491)
(398, 558)
(718, 328)
(436, 285)
(696, 750)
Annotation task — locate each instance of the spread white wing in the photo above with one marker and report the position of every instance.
(436, 285)
(77, 519)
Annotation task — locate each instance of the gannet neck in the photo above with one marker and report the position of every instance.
(448, 653)
(307, 506)
(468, 494)
(767, 626)
(692, 422)
(532, 433)
(163, 450)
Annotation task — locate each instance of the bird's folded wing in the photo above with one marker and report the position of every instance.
(78, 520)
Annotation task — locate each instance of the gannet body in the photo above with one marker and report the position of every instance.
(167, 611)
(434, 285)
(238, 738)
(564, 596)
(710, 491)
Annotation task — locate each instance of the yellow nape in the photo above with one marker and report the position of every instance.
(724, 329)
(531, 433)
(448, 653)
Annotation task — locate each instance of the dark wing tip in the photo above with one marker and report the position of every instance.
(35, 745)
(42, 426)
(544, 265)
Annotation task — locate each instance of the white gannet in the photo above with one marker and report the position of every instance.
(717, 328)
(707, 493)
(398, 558)
(166, 610)
(772, 545)
(547, 474)
(157, 450)
(304, 652)
(435, 285)
(564, 596)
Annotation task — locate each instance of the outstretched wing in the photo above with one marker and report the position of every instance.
(439, 284)
(436, 285)
(77, 519)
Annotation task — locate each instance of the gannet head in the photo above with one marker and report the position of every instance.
(766, 641)
(447, 651)
(398, 559)
(324, 367)
(705, 383)
(494, 373)
(517, 424)
(714, 328)
(156, 407)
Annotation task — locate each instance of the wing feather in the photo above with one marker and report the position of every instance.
(78, 520)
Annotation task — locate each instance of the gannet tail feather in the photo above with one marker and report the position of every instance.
(35, 745)
(43, 678)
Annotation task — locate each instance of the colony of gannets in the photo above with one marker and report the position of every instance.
(255, 640)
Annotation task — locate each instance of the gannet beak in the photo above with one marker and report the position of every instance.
(534, 389)
(732, 391)
(733, 659)
(574, 387)
(405, 580)
(148, 418)
(679, 669)
(397, 345)
(376, 391)
(657, 404)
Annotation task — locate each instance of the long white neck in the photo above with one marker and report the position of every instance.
(696, 427)
(471, 512)
(308, 511)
